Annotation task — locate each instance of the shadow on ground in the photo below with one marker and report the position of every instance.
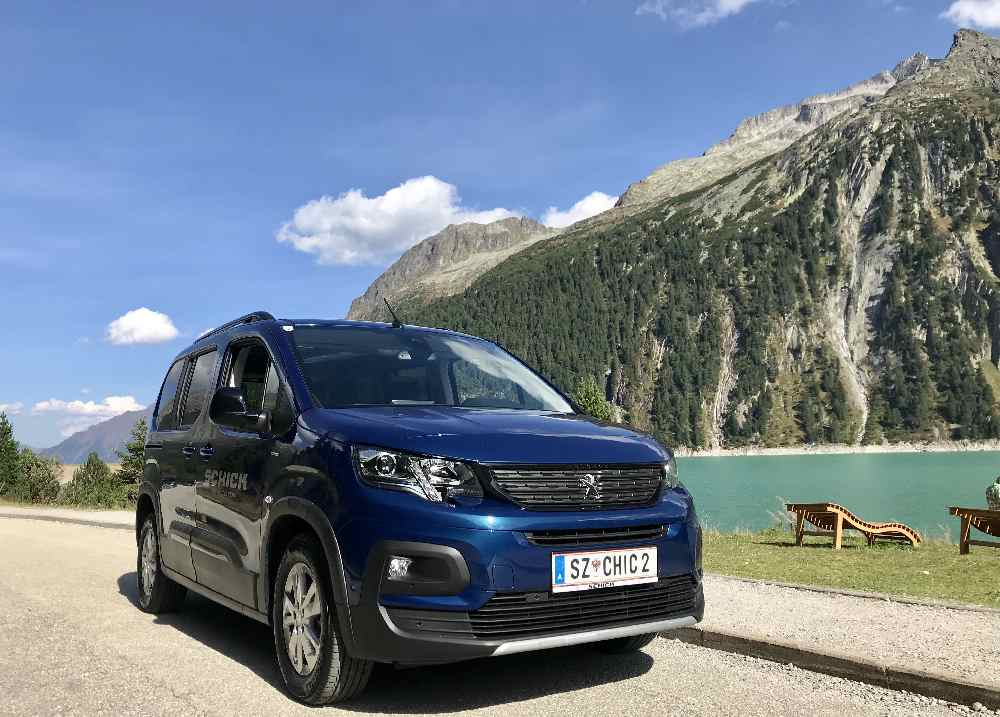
(439, 689)
(235, 636)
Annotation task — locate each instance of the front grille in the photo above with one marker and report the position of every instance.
(511, 616)
(585, 487)
(594, 536)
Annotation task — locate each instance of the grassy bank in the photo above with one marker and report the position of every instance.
(935, 570)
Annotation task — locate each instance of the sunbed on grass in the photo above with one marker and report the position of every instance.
(983, 520)
(832, 520)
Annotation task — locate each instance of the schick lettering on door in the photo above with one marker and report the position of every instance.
(226, 479)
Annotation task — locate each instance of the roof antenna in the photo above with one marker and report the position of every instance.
(396, 323)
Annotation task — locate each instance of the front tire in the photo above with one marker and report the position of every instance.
(157, 593)
(311, 655)
(623, 645)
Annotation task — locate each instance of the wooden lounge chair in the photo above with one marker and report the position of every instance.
(832, 520)
(982, 519)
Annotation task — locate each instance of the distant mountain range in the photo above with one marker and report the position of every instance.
(102, 439)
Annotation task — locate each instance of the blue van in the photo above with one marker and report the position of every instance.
(389, 493)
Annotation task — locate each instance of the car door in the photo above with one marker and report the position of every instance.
(238, 467)
(166, 448)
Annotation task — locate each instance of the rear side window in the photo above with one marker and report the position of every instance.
(166, 411)
(202, 383)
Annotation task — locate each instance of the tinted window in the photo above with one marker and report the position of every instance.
(201, 387)
(276, 401)
(166, 411)
(475, 387)
(353, 366)
(248, 371)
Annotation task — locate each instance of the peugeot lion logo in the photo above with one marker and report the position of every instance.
(591, 488)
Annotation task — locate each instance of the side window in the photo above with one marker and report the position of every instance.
(166, 409)
(276, 401)
(248, 371)
(200, 388)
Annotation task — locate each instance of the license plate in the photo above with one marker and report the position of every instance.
(603, 569)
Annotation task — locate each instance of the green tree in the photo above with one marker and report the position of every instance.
(8, 455)
(132, 458)
(94, 485)
(591, 399)
(37, 480)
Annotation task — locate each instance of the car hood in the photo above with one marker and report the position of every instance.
(488, 435)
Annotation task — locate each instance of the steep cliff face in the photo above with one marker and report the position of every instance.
(764, 134)
(842, 289)
(447, 262)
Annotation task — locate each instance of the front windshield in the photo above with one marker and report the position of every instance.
(355, 366)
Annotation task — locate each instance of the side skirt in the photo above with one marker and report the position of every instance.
(214, 596)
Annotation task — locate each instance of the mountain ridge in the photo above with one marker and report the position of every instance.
(447, 262)
(764, 134)
(102, 438)
(842, 289)
(415, 275)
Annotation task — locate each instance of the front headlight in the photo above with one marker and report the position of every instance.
(434, 479)
(670, 478)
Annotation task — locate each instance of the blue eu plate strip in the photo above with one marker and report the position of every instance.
(560, 576)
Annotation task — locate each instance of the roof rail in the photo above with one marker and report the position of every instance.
(245, 319)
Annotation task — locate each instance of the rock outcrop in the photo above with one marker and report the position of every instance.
(765, 134)
(447, 262)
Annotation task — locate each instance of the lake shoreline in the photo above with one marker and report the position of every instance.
(843, 449)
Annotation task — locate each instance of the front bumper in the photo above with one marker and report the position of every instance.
(496, 577)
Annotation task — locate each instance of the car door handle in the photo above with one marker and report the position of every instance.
(188, 451)
(206, 452)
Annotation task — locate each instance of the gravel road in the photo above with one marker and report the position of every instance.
(961, 644)
(73, 642)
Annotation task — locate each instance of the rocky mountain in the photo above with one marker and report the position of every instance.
(763, 135)
(446, 263)
(843, 286)
(102, 439)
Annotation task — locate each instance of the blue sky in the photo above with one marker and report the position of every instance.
(164, 171)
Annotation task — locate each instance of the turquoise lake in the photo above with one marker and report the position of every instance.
(739, 493)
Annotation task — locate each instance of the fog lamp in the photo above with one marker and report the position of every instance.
(399, 568)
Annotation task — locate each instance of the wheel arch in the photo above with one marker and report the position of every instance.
(145, 505)
(287, 518)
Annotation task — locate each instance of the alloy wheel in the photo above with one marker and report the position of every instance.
(302, 613)
(148, 564)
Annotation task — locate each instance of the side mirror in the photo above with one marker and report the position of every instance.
(229, 408)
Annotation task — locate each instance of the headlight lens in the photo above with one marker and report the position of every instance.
(434, 479)
(670, 478)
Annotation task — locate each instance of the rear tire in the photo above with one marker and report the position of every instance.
(623, 645)
(157, 593)
(311, 654)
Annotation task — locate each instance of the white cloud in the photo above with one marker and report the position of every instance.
(11, 409)
(77, 415)
(593, 203)
(355, 229)
(692, 13)
(141, 326)
(983, 13)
